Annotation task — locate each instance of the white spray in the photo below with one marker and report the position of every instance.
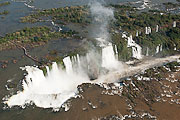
(49, 91)
(102, 16)
(136, 49)
(54, 89)
(174, 24)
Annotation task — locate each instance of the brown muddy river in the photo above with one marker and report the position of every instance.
(81, 109)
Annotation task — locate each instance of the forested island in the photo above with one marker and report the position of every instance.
(127, 19)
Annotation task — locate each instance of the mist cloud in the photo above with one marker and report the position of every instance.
(101, 18)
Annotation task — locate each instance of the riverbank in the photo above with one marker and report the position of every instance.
(137, 90)
(136, 96)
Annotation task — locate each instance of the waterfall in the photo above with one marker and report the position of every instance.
(157, 28)
(175, 47)
(161, 48)
(48, 71)
(54, 89)
(137, 52)
(52, 23)
(55, 68)
(147, 51)
(136, 49)
(137, 33)
(130, 41)
(116, 52)
(158, 48)
(108, 57)
(49, 91)
(78, 59)
(174, 24)
(74, 59)
(149, 30)
(59, 85)
(68, 64)
(146, 30)
(124, 35)
(134, 52)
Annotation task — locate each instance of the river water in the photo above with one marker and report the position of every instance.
(13, 74)
(18, 9)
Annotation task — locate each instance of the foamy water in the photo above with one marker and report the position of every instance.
(109, 60)
(49, 91)
(136, 49)
(58, 85)
(114, 76)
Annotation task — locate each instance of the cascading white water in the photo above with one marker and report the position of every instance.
(147, 51)
(136, 52)
(58, 85)
(146, 30)
(149, 30)
(49, 91)
(136, 49)
(174, 24)
(108, 57)
(175, 47)
(116, 52)
(52, 90)
(124, 35)
(137, 33)
(74, 60)
(78, 59)
(159, 48)
(157, 28)
(68, 64)
(48, 71)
